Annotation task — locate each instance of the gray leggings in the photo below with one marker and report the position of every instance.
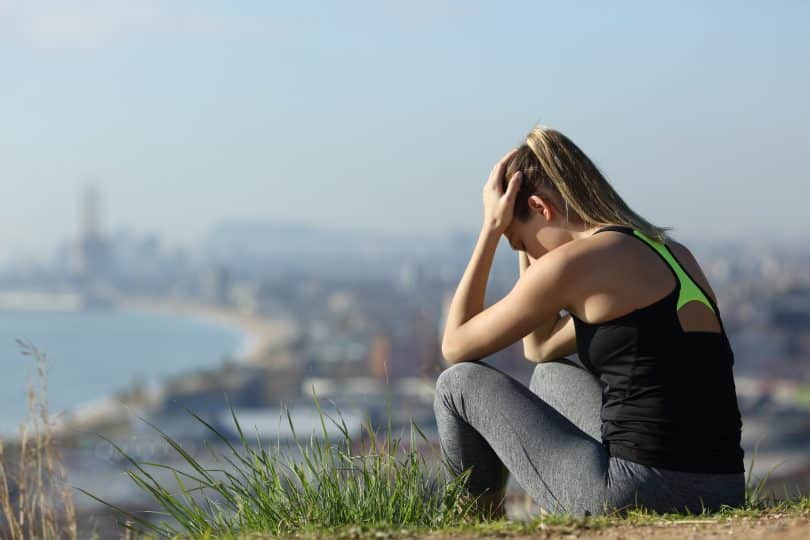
(548, 436)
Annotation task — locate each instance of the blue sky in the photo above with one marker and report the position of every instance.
(389, 115)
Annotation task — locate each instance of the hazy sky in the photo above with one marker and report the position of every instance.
(390, 114)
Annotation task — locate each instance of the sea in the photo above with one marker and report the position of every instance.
(92, 354)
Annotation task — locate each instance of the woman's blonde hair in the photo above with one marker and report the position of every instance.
(554, 166)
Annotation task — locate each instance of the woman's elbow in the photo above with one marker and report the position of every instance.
(532, 357)
(452, 351)
(533, 353)
(449, 353)
(535, 358)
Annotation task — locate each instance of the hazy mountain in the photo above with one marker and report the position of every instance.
(285, 246)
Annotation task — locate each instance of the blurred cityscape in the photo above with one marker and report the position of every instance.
(356, 317)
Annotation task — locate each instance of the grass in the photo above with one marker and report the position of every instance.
(374, 487)
(322, 486)
(35, 499)
(331, 491)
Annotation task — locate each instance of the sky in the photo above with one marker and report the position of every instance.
(389, 115)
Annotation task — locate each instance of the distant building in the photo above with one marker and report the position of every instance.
(216, 285)
(273, 423)
(379, 356)
(426, 339)
(92, 255)
(245, 297)
(410, 276)
(341, 302)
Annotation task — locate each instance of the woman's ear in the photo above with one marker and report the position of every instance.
(538, 205)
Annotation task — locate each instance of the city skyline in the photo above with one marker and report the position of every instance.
(389, 117)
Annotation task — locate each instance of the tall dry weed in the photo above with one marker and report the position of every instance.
(35, 498)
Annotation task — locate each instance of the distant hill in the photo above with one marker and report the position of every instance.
(286, 245)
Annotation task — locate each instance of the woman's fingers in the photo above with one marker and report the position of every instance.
(507, 203)
(497, 171)
(513, 187)
(498, 206)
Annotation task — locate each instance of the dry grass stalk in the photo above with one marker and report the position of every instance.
(36, 501)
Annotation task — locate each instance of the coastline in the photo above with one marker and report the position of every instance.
(259, 338)
(260, 335)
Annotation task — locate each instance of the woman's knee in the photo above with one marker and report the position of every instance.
(455, 376)
(546, 373)
(470, 376)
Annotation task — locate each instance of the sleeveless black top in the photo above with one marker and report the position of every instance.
(668, 396)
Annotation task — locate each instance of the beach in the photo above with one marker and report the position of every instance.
(260, 335)
(138, 346)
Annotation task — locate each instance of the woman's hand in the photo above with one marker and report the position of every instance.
(499, 206)
(523, 261)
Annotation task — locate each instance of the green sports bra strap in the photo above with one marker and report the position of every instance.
(689, 289)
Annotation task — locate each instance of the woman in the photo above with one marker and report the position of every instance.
(651, 417)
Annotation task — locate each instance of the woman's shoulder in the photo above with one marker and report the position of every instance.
(584, 259)
(606, 249)
(607, 257)
(690, 263)
(596, 248)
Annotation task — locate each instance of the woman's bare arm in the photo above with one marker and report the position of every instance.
(537, 296)
(554, 338)
(533, 341)
(561, 342)
(472, 332)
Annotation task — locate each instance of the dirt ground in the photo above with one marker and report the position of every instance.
(793, 526)
(781, 528)
(773, 527)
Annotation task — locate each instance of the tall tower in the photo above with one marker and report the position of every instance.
(91, 252)
(90, 209)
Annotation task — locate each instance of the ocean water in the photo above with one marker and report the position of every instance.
(94, 353)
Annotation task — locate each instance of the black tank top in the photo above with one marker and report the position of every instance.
(668, 396)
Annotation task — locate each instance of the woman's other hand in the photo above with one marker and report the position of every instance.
(499, 206)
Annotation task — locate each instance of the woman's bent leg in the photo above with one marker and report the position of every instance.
(491, 422)
(573, 391)
(577, 394)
